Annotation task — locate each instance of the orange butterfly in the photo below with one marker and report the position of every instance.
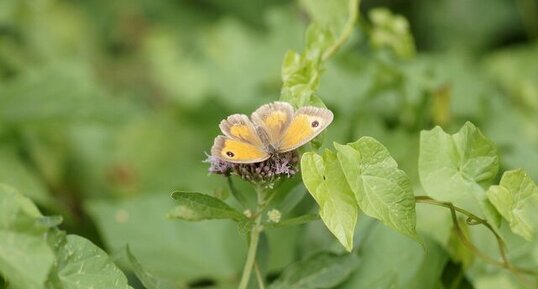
(272, 128)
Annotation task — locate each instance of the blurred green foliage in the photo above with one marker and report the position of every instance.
(106, 107)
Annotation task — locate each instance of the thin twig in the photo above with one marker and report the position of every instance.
(259, 276)
(475, 220)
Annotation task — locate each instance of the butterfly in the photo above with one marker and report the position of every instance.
(273, 128)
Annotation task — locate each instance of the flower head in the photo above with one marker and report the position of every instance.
(277, 166)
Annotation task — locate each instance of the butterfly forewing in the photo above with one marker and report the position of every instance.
(307, 123)
(237, 151)
(239, 126)
(273, 119)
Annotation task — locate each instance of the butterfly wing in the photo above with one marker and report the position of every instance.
(240, 142)
(273, 119)
(239, 127)
(307, 123)
(237, 151)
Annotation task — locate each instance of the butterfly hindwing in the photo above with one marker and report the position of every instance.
(239, 127)
(274, 119)
(237, 151)
(307, 123)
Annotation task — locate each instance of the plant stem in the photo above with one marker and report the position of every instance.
(254, 238)
(475, 220)
(348, 29)
(259, 276)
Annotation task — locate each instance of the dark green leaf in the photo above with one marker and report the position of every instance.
(148, 280)
(197, 207)
(323, 270)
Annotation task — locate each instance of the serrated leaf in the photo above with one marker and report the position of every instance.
(148, 280)
(197, 207)
(325, 181)
(516, 198)
(82, 265)
(457, 167)
(382, 190)
(322, 270)
(25, 257)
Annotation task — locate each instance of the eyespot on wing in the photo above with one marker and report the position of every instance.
(237, 151)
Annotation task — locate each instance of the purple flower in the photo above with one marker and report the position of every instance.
(268, 171)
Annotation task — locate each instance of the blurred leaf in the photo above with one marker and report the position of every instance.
(197, 207)
(25, 257)
(324, 179)
(385, 265)
(391, 31)
(15, 172)
(148, 280)
(456, 168)
(381, 189)
(60, 94)
(332, 23)
(81, 265)
(516, 198)
(323, 270)
(212, 249)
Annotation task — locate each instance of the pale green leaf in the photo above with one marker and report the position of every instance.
(457, 167)
(25, 257)
(322, 270)
(325, 181)
(382, 190)
(197, 206)
(516, 199)
(82, 265)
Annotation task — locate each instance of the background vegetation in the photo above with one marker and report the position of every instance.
(108, 106)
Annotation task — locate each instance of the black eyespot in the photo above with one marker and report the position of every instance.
(230, 154)
(315, 123)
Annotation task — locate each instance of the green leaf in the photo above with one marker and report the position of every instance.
(332, 23)
(323, 270)
(516, 198)
(25, 257)
(15, 172)
(197, 207)
(83, 265)
(382, 190)
(324, 179)
(210, 248)
(457, 167)
(148, 280)
(391, 260)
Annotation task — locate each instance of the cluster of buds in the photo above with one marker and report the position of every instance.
(266, 172)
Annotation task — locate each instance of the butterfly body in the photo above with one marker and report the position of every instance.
(273, 128)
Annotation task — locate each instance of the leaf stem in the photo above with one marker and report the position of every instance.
(475, 220)
(254, 239)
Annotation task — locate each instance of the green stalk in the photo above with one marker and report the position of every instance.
(254, 240)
